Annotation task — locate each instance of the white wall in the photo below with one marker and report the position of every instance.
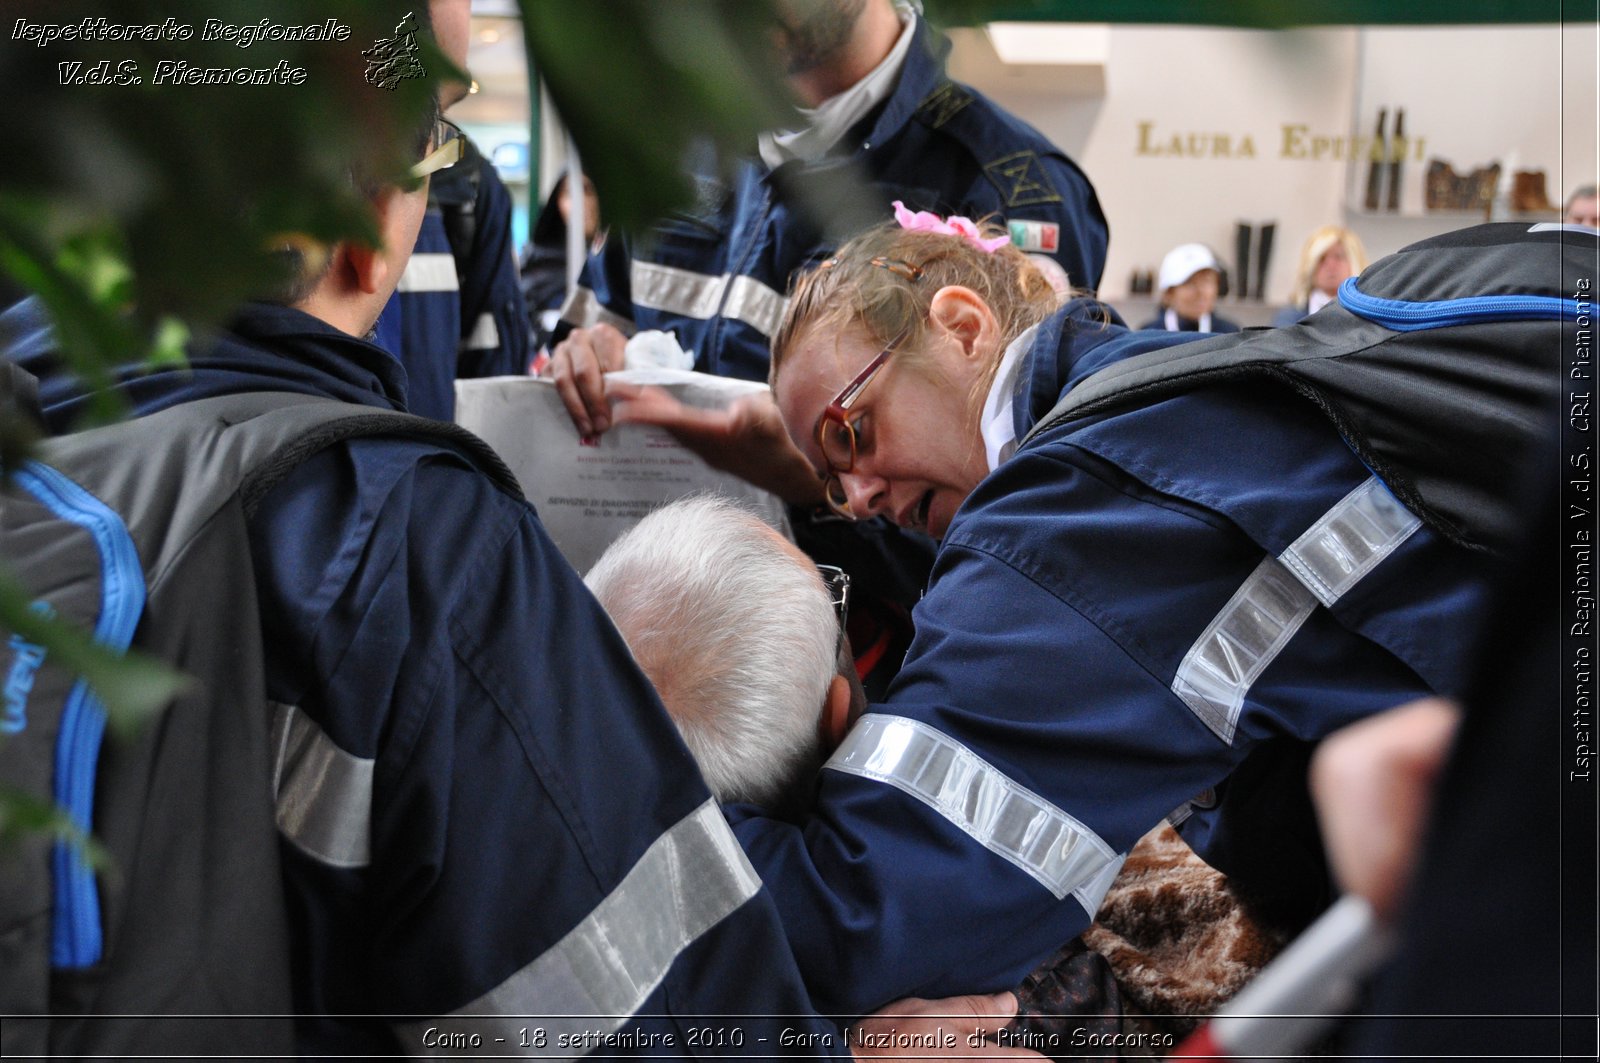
(1474, 95)
(1580, 104)
(1482, 94)
(1523, 96)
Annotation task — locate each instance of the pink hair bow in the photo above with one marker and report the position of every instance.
(923, 221)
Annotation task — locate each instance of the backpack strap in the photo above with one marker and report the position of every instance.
(455, 193)
(244, 443)
(19, 395)
(317, 426)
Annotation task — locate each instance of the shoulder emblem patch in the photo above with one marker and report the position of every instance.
(942, 104)
(1021, 179)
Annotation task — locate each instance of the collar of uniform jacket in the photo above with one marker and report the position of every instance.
(827, 124)
(300, 347)
(264, 347)
(1075, 342)
(921, 73)
(1056, 358)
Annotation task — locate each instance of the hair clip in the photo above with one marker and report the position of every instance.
(895, 265)
(923, 221)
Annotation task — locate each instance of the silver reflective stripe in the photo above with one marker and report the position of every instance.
(1092, 894)
(1344, 544)
(755, 304)
(430, 272)
(996, 812)
(485, 334)
(1258, 621)
(583, 310)
(591, 982)
(676, 291)
(1178, 816)
(324, 795)
(1350, 540)
(701, 296)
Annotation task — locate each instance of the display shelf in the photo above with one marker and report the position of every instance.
(1458, 217)
(1385, 232)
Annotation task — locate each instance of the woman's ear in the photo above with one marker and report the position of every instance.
(962, 313)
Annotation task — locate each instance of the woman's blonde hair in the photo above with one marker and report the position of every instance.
(884, 281)
(1317, 245)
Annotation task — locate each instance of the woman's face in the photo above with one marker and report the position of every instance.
(918, 448)
(1333, 268)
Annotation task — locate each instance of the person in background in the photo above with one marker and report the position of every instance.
(544, 263)
(1583, 207)
(458, 311)
(1190, 282)
(874, 102)
(1330, 255)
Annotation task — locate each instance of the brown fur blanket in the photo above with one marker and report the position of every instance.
(1170, 944)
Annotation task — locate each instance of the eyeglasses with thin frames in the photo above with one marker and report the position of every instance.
(837, 581)
(449, 147)
(836, 435)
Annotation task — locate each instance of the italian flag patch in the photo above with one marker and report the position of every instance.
(1035, 235)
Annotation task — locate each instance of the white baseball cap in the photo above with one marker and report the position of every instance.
(1183, 262)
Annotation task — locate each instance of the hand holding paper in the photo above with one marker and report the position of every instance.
(746, 438)
(578, 366)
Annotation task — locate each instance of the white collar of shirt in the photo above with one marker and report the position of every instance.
(997, 424)
(1318, 300)
(830, 121)
(1170, 320)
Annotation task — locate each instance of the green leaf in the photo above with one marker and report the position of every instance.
(95, 261)
(23, 815)
(641, 85)
(1258, 14)
(167, 349)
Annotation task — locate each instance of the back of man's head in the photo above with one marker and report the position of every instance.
(737, 632)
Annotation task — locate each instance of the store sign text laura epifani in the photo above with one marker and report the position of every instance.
(1294, 140)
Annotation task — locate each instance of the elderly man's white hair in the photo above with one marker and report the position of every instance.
(738, 634)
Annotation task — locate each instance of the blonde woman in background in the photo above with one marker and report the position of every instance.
(1330, 255)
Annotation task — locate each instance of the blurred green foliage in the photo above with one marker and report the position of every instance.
(1254, 14)
(639, 81)
(24, 816)
(142, 213)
